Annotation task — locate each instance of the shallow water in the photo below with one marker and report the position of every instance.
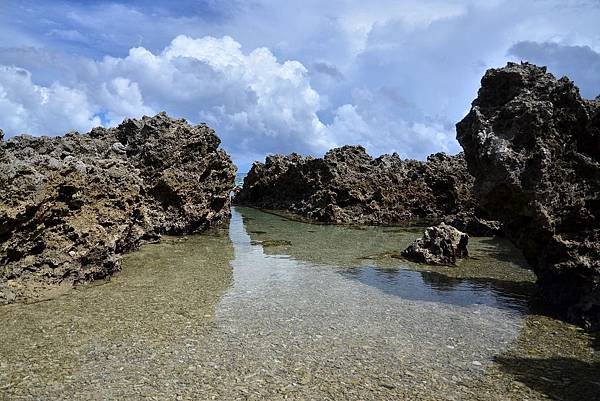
(328, 314)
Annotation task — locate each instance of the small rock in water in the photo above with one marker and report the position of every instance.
(440, 245)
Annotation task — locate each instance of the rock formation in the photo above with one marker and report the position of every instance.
(70, 205)
(348, 186)
(475, 226)
(533, 145)
(440, 245)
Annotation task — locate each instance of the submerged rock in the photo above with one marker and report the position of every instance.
(533, 145)
(347, 186)
(440, 245)
(272, 243)
(70, 205)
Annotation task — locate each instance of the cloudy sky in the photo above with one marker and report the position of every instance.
(281, 76)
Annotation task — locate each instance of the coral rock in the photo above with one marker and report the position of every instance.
(347, 186)
(71, 205)
(440, 245)
(533, 146)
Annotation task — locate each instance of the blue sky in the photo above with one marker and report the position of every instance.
(272, 76)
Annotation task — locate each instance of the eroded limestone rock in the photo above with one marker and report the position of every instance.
(533, 145)
(440, 245)
(71, 205)
(347, 186)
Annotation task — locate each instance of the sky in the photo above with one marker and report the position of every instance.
(279, 77)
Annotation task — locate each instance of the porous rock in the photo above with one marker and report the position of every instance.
(474, 225)
(347, 186)
(71, 205)
(440, 245)
(533, 146)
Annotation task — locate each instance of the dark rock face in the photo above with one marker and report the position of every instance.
(475, 226)
(348, 186)
(533, 145)
(440, 245)
(69, 206)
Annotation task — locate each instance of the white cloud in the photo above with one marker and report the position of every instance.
(392, 75)
(256, 102)
(29, 108)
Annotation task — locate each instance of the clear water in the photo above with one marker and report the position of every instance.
(328, 315)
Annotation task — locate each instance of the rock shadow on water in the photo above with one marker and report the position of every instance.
(432, 286)
(566, 379)
(553, 358)
(496, 275)
(496, 248)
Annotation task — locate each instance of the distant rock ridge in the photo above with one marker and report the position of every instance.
(533, 146)
(347, 186)
(71, 205)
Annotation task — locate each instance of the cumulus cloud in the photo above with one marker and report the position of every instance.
(393, 75)
(258, 104)
(580, 63)
(29, 108)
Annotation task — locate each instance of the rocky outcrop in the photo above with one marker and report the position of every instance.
(70, 205)
(475, 226)
(533, 145)
(347, 186)
(440, 245)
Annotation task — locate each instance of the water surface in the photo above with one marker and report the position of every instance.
(317, 313)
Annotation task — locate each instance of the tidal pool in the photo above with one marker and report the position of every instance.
(274, 309)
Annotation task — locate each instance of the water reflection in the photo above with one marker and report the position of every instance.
(216, 317)
(496, 275)
(435, 287)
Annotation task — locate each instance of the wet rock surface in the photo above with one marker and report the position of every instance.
(347, 186)
(440, 245)
(70, 205)
(533, 145)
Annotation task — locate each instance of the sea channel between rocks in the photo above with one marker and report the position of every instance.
(327, 314)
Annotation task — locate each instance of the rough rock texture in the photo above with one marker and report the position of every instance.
(533, 145)
(440, 245)
(348, 186)
(475, 226)
(69, 206)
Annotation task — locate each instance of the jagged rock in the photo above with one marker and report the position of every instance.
(70, 205)
(533, 145)
(347, 186)
(440, 245)
(475, 226)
